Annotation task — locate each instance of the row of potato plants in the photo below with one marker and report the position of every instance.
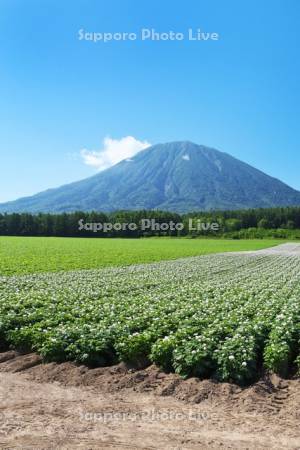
(227, 316)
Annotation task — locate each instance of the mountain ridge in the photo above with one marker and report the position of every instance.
(178, 176)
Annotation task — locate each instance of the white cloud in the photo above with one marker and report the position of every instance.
(186, 157)
(113, 151)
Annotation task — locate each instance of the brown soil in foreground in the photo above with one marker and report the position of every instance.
(64, 406)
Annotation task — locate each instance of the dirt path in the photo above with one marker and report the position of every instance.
(288, 249)
(64, 406)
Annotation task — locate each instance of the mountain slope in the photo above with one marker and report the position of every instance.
(177, 176)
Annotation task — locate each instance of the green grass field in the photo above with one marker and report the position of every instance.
(24, 255)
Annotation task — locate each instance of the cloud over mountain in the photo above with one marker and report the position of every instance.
(113, 151)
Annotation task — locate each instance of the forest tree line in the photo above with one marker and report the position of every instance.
(271, 222)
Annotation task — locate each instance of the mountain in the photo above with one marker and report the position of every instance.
(177, 176)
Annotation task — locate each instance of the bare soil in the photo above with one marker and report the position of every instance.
(65, 406)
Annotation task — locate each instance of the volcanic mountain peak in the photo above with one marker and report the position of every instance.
(177, 176)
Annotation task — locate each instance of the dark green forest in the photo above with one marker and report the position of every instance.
(251, 223)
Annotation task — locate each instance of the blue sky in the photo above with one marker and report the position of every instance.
(59, 95)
